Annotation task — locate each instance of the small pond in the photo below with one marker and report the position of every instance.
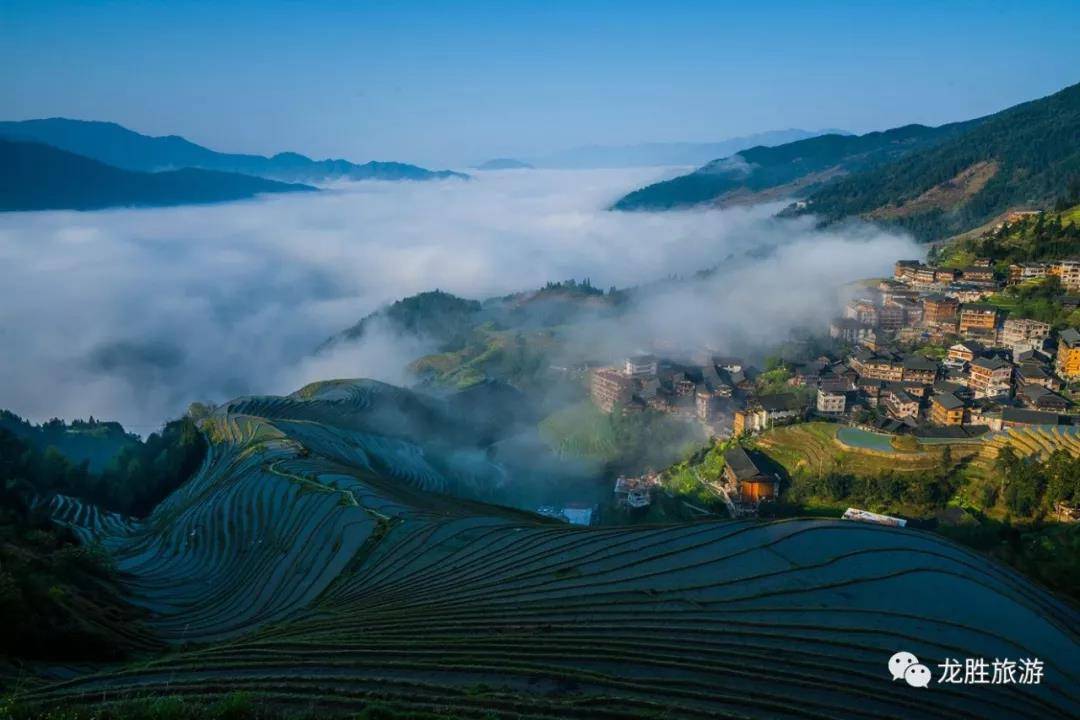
(857, 437)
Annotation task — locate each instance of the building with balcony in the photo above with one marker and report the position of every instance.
(990, 377)
(1021, 334)
(978, 321)
(946, 409)
(610, 388)
(1068, 355)
(940, 310)
(832, 403)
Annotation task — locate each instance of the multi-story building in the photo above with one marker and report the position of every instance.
(877, 367)
(916, 369)
(912, 309)
(610, 388)
(1068, 355)
(904, 270)
(640, 366)
(944, 275)
(766, 411)
(890, 317)
(1040, 398)
(899, 404)
(965, 351)
(968, 292)
(990, 377)
(849, 331)
(978, 321)
(946, 409)
(1021, 334)
(939, 310)
(862, 310)
(831, 402)
(706, 401)
(1022, 272)
(1033, 373)
(923, 275)
(1068, 271)
(977, 274)
(894, 289)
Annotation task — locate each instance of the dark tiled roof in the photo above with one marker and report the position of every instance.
(990, 363)
(948, 401)
(1032, 370)
(917, 362)
(741, 464)
(944, 386)
(1032, 417)
(1070, 337)
(784, 401)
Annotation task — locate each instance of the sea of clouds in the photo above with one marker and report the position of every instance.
(134, 314)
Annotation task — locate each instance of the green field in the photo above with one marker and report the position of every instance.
(812, 447)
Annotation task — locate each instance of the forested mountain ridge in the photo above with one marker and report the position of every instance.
(115, 145)
(94, 441)
(34, 176)
(934, 182)
(783, 169)
(1025, 156)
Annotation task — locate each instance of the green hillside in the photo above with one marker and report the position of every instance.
(1023, 157)
(1042, 237)
(40, 177)
(933, 182)
(319, 562)
(775, 172)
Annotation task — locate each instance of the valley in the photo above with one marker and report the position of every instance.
(586, 361)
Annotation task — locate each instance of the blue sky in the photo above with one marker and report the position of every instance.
(452, 83)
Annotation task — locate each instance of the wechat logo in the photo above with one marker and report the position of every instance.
(905, 666)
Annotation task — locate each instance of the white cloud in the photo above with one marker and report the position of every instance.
(132, 314)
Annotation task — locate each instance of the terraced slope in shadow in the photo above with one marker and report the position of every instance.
(316, 558)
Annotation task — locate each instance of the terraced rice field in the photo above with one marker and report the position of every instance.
(314, 561)
(814, 447)
(1039, 441)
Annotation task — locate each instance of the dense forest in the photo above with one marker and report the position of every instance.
(59, 600)
(1030, 148)
(1044, 236)
(762, 168)
(437, 315)
(94, 441)
(137, 476)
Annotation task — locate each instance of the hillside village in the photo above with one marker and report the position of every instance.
(935, 352)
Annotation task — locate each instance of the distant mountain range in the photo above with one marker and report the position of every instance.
(658, 154)
(117, 146)
(504, 164)
(34, 176)
(934, 182)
